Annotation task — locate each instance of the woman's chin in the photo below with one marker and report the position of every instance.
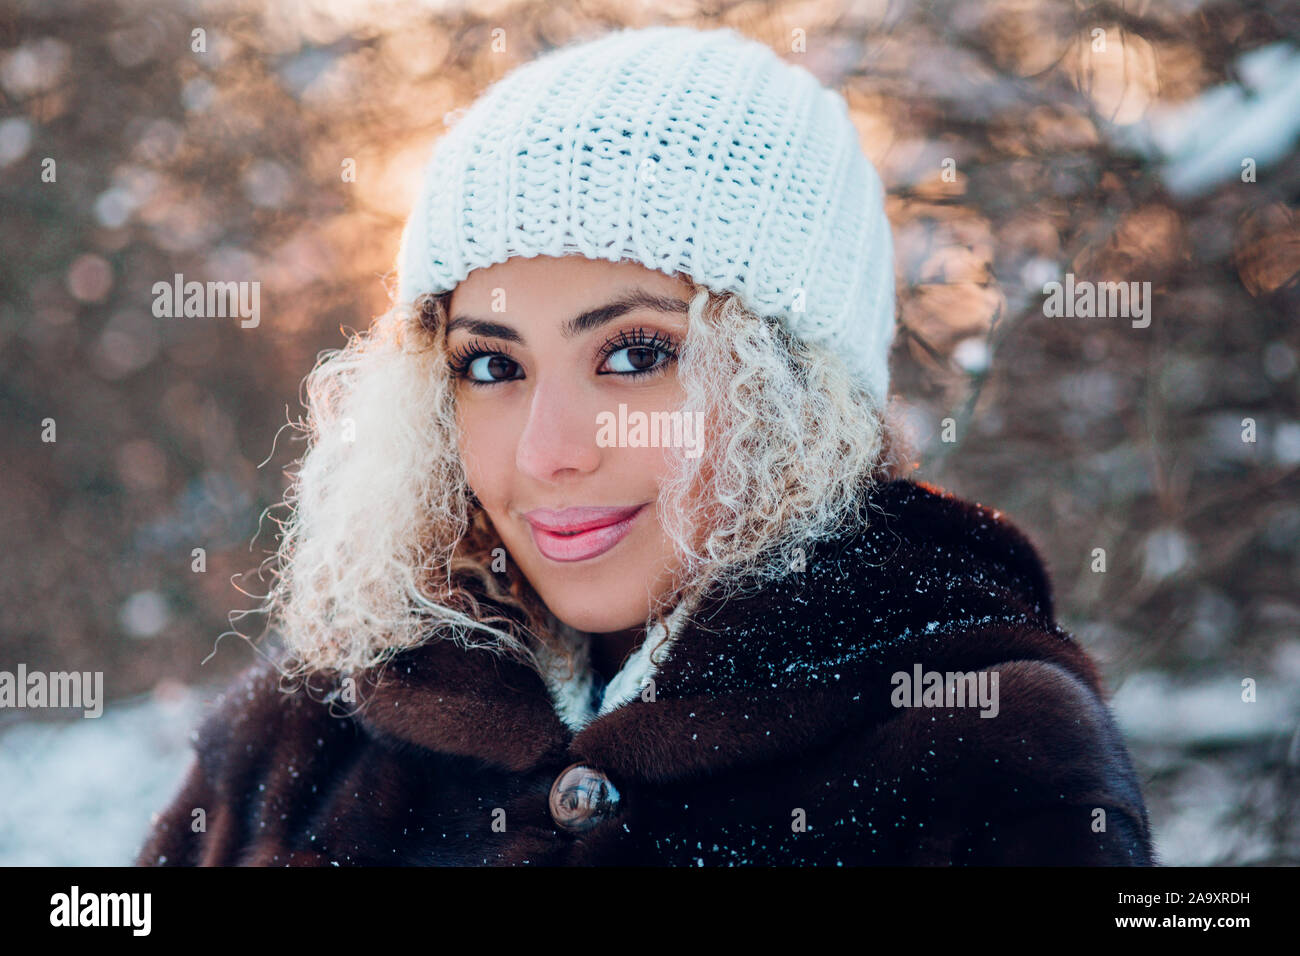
(577, 613)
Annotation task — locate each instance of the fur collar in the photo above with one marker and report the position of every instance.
(930, 580)
(580, 697)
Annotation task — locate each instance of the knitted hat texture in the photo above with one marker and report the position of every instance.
(692, 151)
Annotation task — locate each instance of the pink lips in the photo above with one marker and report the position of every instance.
(576, 534)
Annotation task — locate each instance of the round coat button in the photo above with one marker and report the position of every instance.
(581, 798)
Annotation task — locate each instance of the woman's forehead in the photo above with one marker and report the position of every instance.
(557, 274)
(549, 289)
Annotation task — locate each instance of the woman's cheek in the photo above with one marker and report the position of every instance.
(482, 449)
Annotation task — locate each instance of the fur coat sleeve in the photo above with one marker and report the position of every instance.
(903, 698)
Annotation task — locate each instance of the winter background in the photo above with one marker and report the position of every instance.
(1110, 140)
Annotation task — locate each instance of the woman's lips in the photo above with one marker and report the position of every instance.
(577, 534)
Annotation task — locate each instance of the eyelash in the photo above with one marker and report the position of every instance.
(460, 359)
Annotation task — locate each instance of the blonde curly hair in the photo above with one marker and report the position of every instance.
(384, 546)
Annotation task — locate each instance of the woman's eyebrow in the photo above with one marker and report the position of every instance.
(591, 319)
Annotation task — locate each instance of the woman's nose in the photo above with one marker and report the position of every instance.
(559, 433)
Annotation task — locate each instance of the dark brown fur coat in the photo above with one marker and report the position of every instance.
(774, 736)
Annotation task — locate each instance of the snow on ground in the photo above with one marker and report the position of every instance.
(1153, 708)
(80, 792)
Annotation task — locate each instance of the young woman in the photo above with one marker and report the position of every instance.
(598, 554)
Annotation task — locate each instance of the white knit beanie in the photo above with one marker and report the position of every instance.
(693, 151)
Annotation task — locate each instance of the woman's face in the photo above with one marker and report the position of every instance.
(545, 351)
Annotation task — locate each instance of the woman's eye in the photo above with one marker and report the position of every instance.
(490, 368)
(635, 358)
